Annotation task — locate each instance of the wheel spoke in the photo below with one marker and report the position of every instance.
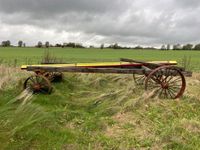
(38, 84)
(170, 81)
(176, 80)
(174, 87)
(32, 79)
(160, 95)
(165, 93)
(171, 77)
(43, 90)
(172, 92)
(29, 84)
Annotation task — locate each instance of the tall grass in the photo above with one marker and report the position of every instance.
(17, 113)
(50, 58)
(10, 76)
(96, 111)
(186, 63)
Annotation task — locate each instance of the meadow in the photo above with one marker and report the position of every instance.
(95, 111)
(21, 56)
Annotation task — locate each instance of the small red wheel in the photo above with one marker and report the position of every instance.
(38, 84)
(166, 81)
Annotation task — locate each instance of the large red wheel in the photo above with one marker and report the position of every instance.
(38, 84)
(166, 81)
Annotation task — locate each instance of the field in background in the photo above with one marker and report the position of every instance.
(18, 56)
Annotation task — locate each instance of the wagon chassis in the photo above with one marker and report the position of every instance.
(166, 80)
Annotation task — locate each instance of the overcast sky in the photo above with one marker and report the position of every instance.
(127, 22)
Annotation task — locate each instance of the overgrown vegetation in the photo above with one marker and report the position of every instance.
(95, 111)
(186, 63)
(48, 58)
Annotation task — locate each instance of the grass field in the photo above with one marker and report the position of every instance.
(96, 111)
(33, 55)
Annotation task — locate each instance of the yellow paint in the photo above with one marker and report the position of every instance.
(92, 64)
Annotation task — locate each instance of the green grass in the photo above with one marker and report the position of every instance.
(94, 111)
(33, 55)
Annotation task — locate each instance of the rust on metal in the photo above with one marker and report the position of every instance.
(167, 81)
(38, 84)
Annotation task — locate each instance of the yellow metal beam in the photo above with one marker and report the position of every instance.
(95, 64)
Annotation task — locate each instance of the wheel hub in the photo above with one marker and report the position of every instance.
(37, 87)
(165, 85)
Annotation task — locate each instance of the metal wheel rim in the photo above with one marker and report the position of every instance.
(38, 84)
(168, 85)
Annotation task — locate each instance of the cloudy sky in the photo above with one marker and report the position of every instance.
(127, 22)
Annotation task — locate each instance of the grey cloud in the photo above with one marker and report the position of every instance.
(60, 6)
(126, 21)
(187, 3)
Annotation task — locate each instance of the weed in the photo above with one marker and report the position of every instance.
(48, 58)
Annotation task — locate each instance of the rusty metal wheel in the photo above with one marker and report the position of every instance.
(38, 84)
(54, 76)
(166, 82)
(139, 79)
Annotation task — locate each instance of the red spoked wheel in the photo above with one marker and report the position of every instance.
(38, 84)
(166, 82)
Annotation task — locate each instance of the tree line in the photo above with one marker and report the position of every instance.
(102, 46)
(41, 45)
(181, 47)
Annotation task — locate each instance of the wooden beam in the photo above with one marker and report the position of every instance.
(149, 65)
(88, 70)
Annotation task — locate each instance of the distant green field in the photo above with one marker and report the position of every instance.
(33, 55)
